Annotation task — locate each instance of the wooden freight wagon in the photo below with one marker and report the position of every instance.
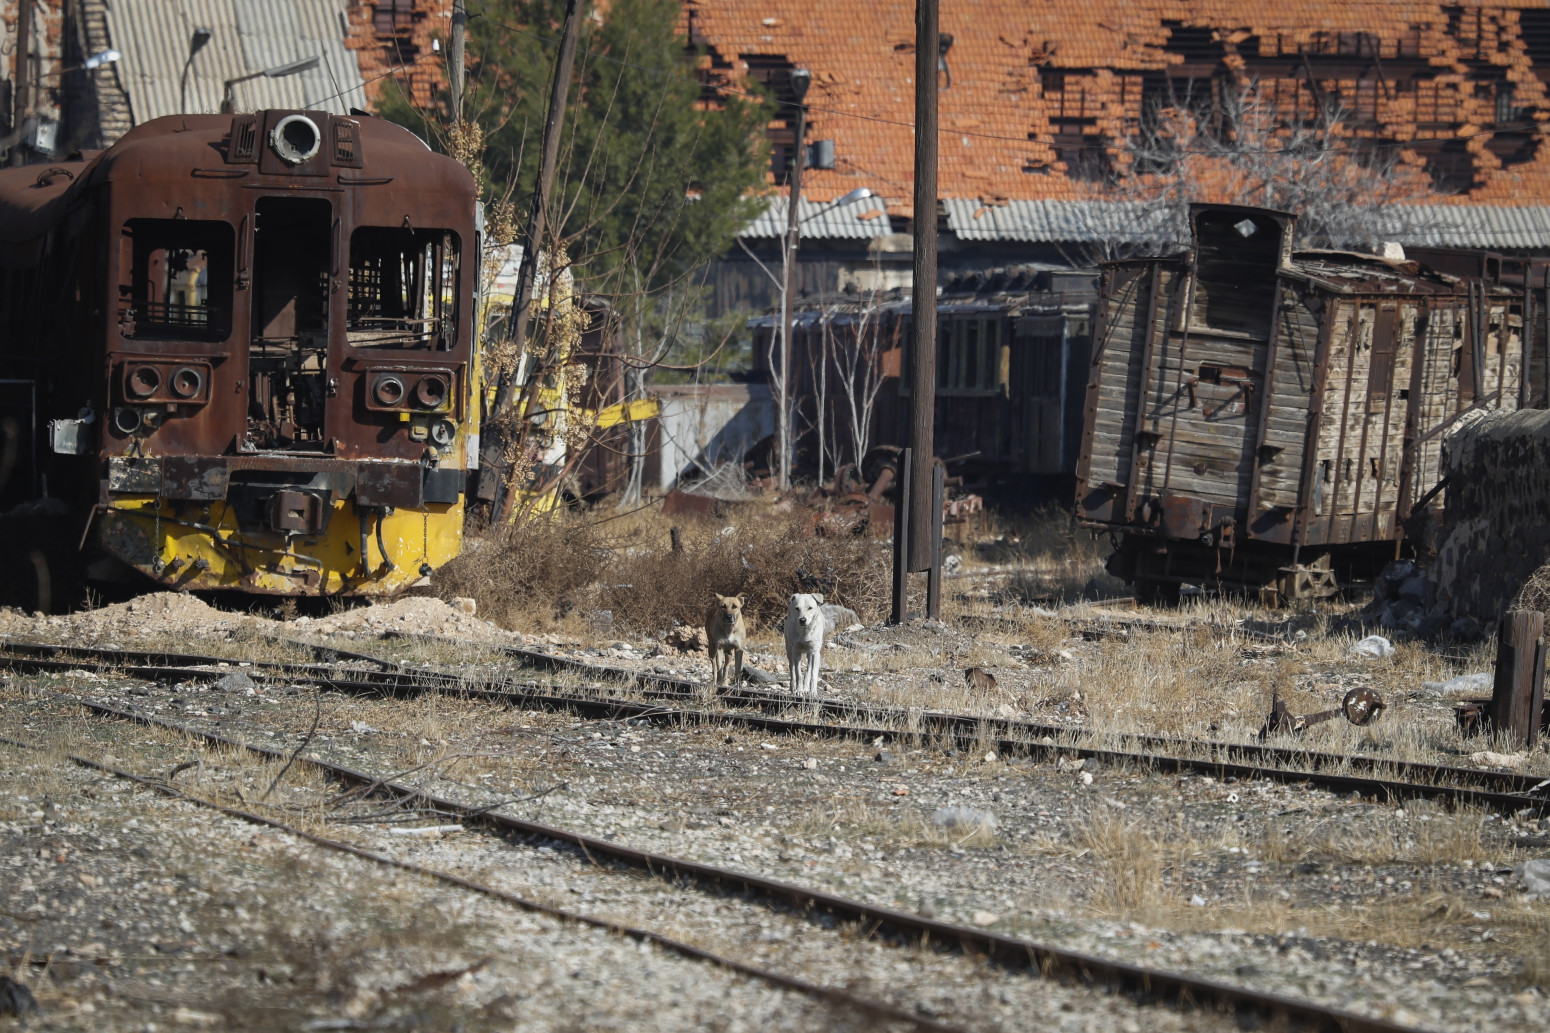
(1270, 418)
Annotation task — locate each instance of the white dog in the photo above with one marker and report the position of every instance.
(804, 641)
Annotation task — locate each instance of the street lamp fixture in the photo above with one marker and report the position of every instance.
(858, 194)
(228, 105)
(107, 57)
(196, 43)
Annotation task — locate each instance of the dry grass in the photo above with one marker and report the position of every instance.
(569, 569)
(1131, 862)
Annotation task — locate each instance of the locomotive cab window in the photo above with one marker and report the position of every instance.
(403, 288)
(175, 279)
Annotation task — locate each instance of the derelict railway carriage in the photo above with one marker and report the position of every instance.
(238, 354)
(1267, 418)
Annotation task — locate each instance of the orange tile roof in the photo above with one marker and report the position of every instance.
(1002, 136)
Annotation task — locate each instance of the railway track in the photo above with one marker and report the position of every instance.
(772, 713)
(1250, 1008)
(861, 1005)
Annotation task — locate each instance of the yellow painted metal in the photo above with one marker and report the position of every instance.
(629, 412)
(198, 546)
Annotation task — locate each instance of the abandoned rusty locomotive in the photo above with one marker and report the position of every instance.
(1271, 418)
(239, 354)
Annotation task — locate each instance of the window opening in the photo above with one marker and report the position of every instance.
(175, 279)
(403, 288)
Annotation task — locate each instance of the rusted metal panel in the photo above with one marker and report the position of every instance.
(219, 298)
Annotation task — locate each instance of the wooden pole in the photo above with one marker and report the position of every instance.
(901, 540)
(456, 72)
(522, 305)
(1518, 698)
(800, 79)
(923, 292)
(21, 106)
(934, 576)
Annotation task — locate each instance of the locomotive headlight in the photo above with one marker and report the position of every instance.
(143, 381)
(187, 382)
(443, 433)
(296, 139)
(388, 390)
(126, 420)
(430, 392)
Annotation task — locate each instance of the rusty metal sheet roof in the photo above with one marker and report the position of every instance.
(1088, 221)
(1441, 225)
(248, 36)
(860, 220)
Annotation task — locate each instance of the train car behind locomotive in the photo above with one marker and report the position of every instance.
(1269, 418)
(239, 354)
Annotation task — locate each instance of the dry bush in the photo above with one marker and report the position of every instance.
(1535, 593)
(513, 572)
(544, 569)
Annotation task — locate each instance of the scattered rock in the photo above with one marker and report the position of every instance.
(838, 618)
(1487, 759)
(1536, 876)
(985, 918)
(464, 605)
(235, 682)
(952, 564)
(1374, 646)
(16, 999)
(885, 757)
(1086, 778)
(811, 763)
(1091, 764)
(686, 639)
(964, 818)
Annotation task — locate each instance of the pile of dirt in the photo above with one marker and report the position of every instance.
(157, 612)
(414, 615)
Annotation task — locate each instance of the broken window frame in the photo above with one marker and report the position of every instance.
(403, 309)
(208, 317)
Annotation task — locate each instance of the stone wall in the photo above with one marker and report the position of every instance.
(1496, 520)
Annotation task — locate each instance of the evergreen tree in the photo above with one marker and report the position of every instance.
(651, 182)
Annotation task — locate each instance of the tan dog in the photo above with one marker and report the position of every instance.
(725, 636)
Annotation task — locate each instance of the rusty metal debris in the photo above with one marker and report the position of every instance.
(1360, 707)
(979, 678)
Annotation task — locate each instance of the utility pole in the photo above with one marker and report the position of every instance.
(22, 107)
(923, 293)
(801, 78)
(522, 305)
(455, 69)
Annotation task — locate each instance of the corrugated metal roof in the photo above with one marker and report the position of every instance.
(1476, 226)
(859, 220)
(248, 36)
(1116, 221)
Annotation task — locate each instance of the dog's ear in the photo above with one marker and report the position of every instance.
(818, 599)
(740, 599)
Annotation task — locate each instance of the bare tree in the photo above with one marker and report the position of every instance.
(1234, 146)
(857, 359)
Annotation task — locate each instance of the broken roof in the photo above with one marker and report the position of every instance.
(1456, 92)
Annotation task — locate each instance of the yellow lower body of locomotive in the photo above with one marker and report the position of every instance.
(197, 546)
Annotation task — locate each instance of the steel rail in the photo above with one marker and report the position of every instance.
(533, 697)
(1013, 953)
(834, 995)
(1511, 789)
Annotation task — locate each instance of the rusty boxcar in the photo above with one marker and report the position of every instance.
(1270, 418)
(239, 353)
